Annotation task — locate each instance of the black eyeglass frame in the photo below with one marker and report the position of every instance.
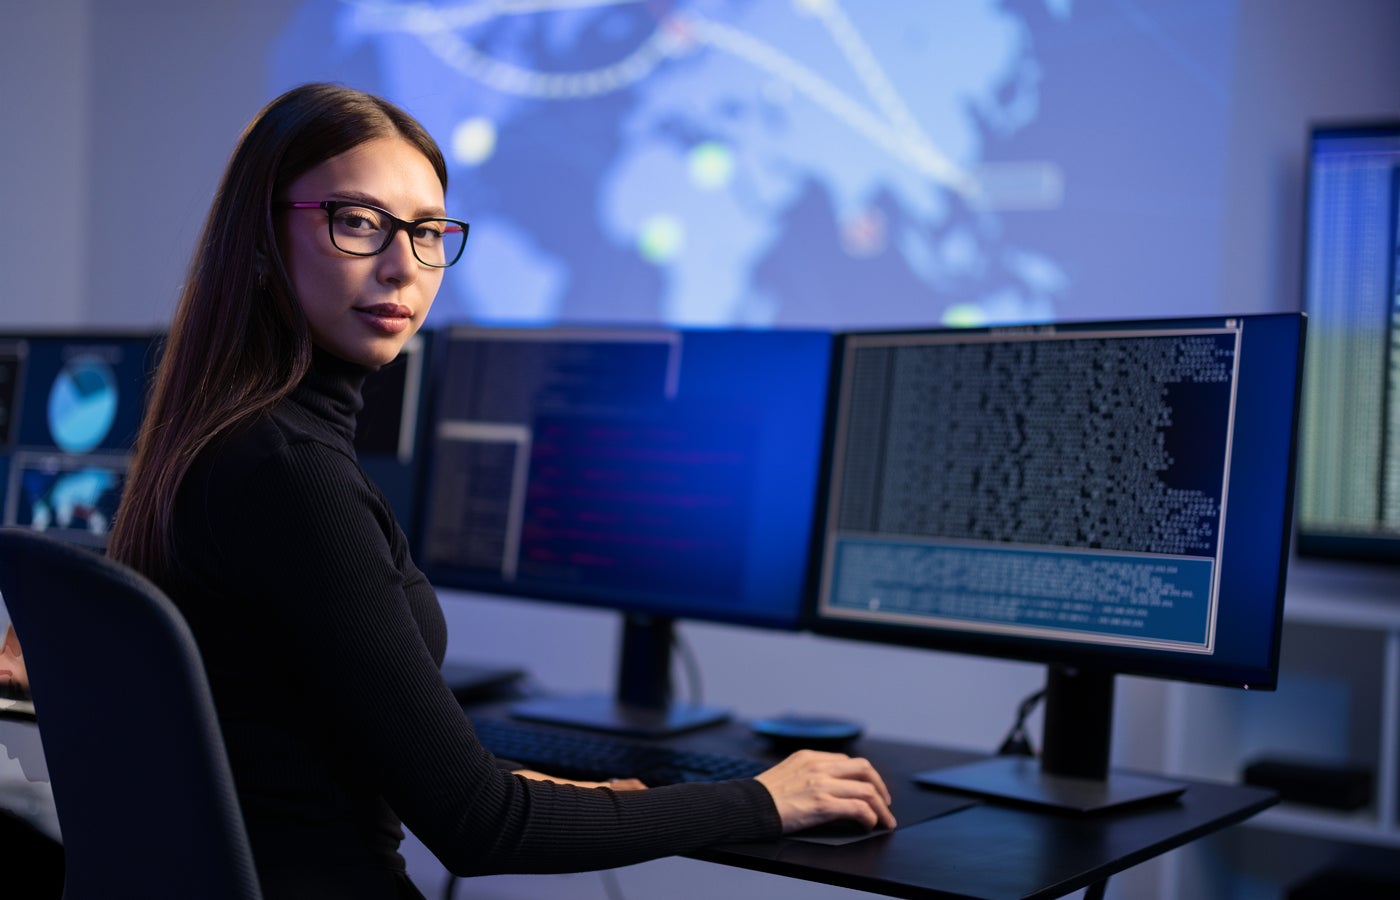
(407, 225)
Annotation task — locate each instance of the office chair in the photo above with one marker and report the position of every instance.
(141, 780)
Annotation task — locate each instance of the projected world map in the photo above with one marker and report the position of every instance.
(796, 162)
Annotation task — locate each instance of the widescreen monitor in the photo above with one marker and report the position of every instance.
(70, 408)
(666, 474)
(1104, 498)
(1349, 449)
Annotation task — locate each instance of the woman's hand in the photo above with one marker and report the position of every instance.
(12, 672)
(812, 788)
(617, 784)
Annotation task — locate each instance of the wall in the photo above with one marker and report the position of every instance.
(1300, 61)
(46, 160)
(119, 116)
(152, 94)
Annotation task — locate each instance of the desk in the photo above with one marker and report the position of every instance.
(991, 851)
(984, 850)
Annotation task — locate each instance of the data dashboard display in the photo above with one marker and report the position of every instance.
(70, 408)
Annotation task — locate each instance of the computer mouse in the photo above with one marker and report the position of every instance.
(793, 731)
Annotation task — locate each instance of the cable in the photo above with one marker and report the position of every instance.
(691, 667)
(1016, 742)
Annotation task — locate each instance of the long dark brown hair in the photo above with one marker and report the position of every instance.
(239, 342)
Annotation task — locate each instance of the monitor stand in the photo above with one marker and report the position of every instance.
(1072, 774)
(642, 705)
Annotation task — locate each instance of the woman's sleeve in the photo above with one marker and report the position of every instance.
(311, 548)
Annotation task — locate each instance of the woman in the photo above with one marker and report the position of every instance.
(322, 254)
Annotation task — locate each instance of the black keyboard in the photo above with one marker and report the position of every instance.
(588, 756)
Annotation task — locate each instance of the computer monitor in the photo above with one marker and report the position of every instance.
(1104, 498)
(1349, 448)
(665, 474)
(70, 408)
(392, 426)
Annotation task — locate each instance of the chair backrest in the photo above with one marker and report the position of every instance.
(141, 780)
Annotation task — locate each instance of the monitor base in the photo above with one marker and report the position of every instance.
(1020, 780)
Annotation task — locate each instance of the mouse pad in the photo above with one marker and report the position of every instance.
(912, 810)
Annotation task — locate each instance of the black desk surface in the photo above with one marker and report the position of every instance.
(983, 850)
(995, 851)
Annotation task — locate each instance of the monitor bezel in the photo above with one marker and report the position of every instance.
(1175, 666)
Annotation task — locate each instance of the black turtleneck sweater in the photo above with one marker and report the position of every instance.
(323, 643)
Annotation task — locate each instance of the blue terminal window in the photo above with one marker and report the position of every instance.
(664, 474)
(651, 471)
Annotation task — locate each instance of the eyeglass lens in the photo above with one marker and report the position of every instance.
(365, 232)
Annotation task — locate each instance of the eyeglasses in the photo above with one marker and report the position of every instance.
(362, 230)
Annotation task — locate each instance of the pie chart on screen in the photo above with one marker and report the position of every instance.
(82, 404)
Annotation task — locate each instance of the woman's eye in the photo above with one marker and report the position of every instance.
(426, 234)
(357, 220)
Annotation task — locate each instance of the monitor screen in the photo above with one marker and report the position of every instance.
(1100, 497)
(1349, 448)
(666, 474)
(70, 408)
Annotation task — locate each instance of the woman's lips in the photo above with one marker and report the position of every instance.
(387, 318)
